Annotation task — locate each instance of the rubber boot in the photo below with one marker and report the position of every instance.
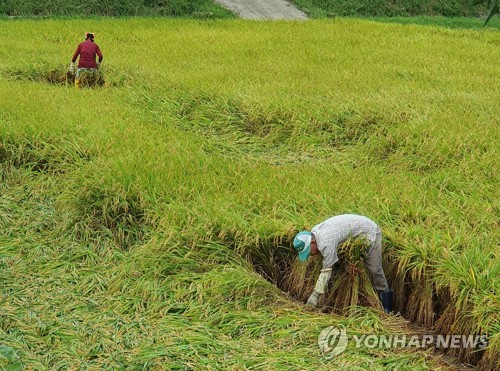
(386, 299)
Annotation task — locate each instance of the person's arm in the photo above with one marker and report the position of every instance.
(322, 281)
(99, 53)
(77, 53)
(329, 254)
(72, 64)
(320, 287)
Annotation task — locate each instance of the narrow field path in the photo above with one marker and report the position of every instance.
(263, 9)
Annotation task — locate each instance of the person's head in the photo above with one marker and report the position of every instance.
(305, 244)
(89, 36)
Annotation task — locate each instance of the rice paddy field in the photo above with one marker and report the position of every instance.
(147, 223)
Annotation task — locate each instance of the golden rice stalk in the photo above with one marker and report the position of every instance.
(91, 78)
(302, 278)
(350, 285)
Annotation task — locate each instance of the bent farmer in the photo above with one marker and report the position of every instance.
(325, 238)
(87, 50)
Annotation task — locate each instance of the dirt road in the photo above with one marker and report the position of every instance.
(263, 9)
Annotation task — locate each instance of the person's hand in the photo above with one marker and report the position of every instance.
(98, 64)
(313, 299)
(72, 67)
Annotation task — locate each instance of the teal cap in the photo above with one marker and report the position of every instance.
(302, 243)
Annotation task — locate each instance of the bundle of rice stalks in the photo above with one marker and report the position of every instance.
(57, 76)
(60, 77)
(91, 78)
(301, 277)
(350, 285)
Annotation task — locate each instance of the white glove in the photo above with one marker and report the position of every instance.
(313, 299)
(322, 281)
(98, 64)
(72, 67)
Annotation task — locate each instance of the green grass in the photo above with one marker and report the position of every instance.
(394, 8)
(114, 8)
(456, 22)
(450, 14)
(130, 215)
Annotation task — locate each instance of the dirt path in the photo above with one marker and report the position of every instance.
(263, 9)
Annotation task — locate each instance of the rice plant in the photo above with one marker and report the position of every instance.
(147, 223)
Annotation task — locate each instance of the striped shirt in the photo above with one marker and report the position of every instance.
(330, 233)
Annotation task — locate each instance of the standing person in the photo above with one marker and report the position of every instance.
(87, 50)
(325, 238)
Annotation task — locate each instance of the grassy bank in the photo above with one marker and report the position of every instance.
(133, 217)
(114, 8)
(395, 8)
(450, 14)
(455, 22)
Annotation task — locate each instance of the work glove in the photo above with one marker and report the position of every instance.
(98, 64)
(323, 279)
(72, 67)
(313, 299)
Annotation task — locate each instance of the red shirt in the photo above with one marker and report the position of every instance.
(87, 51)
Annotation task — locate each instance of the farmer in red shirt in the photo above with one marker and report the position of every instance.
(87, 51)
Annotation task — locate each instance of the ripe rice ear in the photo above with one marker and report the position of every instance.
(302, 278)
